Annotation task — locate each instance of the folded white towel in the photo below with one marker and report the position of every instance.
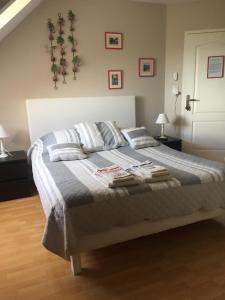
(148, 169)
(156, 179)
(131, 182)
(113, 173)
(157, 170)
(115, 176)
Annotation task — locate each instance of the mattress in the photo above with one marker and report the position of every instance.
(76, 203)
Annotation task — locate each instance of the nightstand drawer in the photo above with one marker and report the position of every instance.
(174, 145)
(14, 189)
(13, 171)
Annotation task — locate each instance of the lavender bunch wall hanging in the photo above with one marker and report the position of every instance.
(57, 48)
(54, 67)
(71, 39)
(61, 42)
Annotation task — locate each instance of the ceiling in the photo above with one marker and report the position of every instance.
(13, 13)
(4, 4)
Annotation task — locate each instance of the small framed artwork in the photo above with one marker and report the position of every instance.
(215, 68)
(114, 40)
(115, 80)
(146, 67)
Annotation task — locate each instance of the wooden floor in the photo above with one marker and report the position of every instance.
(183, 264)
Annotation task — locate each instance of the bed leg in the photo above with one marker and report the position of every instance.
(76, 264)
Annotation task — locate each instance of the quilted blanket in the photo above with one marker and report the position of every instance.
(76, 203)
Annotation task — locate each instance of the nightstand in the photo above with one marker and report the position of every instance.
(171, 142)
(14, 179)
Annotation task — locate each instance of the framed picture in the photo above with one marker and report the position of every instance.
(215, 68)
(113, 40)
(115, 79)
(146, 67)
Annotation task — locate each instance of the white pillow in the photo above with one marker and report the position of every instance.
(111, 135)
(139, 137)
(90, 137)
(65, 151)
(60, 137)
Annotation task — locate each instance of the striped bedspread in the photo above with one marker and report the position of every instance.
(76, 203)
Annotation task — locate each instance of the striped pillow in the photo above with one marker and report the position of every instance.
(139, 137)
(60, 137)
(111, 135)
(65, 151)
(90, 137)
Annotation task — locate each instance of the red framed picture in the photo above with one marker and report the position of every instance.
(115, 79)
(113, 40)
(215, 67)
(146, 67)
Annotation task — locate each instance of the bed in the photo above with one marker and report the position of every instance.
(83, 214)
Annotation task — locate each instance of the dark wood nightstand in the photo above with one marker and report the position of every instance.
(14, 179)
(171, 142)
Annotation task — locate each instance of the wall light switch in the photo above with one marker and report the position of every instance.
(175, 90)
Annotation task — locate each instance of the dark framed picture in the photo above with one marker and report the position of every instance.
(146, 67)
(113, 40)
(215, 68)
(115, 80)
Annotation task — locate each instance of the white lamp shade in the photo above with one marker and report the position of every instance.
(162, 119)
(3, 133)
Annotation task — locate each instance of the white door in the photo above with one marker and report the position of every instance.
(203, 121)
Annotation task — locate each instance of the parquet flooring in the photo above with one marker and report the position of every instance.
(187, 263)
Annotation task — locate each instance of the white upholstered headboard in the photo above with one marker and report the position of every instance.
(45, 115)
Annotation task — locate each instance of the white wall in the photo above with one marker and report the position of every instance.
(25, 63)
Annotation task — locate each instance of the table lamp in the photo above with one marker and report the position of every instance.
(162, 120)
(3, 135)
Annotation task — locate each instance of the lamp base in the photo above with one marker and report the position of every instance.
(3, 155)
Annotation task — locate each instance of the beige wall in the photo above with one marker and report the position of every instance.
(25, 63)
(205, 14)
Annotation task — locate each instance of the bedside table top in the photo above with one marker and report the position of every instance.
(15, 156)
(169, 139)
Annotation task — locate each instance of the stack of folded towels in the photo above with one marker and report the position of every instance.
(115, 176)
(148, 172)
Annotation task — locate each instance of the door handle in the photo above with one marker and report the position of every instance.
(188, 100)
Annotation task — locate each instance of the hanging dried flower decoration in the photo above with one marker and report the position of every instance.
(60, 42)
(54, 67)
(76, 60)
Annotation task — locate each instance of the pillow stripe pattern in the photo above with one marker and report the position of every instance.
(107, 134)
(139, 137)
(118, 137)
(65, 151)
(90, 136)
(59, 137)
(111, 135)
(66, 136)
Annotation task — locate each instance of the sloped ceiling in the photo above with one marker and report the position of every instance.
(13, 13)
(9, 23)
